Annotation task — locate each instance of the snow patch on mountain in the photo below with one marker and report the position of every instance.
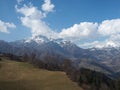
(38, 39)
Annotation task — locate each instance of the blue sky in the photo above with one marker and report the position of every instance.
(85, 22)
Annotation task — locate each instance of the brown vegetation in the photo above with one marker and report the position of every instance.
(24, 76)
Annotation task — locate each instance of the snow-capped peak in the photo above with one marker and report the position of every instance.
(58, 41)
(38, 39)
(63, 42)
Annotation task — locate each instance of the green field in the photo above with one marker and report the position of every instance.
(23, 76)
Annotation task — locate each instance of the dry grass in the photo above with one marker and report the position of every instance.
(23, 76)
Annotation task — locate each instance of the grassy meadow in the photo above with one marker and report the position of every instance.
(23, 76)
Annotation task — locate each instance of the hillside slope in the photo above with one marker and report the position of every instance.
(23, 76)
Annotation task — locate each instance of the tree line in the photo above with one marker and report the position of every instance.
(88, 79)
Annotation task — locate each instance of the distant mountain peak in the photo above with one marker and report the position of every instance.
(109, 44)
(38, 39)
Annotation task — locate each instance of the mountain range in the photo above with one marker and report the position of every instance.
(106, 59)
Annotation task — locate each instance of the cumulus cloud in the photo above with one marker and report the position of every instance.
(80, 31)
(111, 30)
(109, 27)
(4, 26)
(106, 33)
(48, 6)
(115, 38)
(30, 11)
(32, 18)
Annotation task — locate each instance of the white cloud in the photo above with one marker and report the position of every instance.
(109, 27)
(30, 11)
(89, 33)
(33, 19)
(115, 38)
(92, 34)
(4, 26)
(111, 30)
(80, 31)
(90, 29)
(48, 6)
